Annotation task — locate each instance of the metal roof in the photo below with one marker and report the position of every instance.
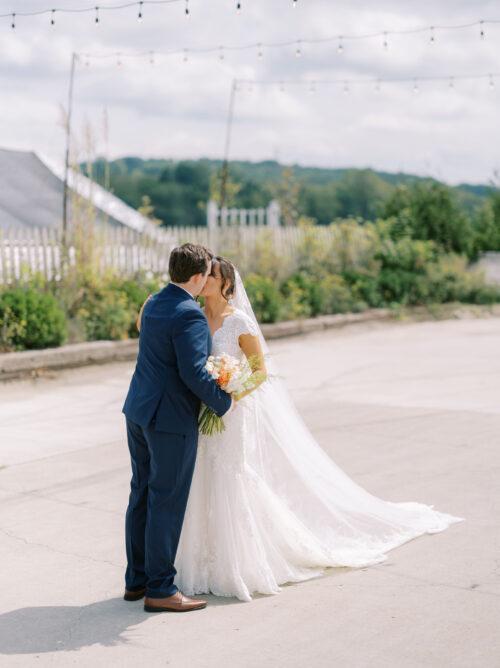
(31, 192)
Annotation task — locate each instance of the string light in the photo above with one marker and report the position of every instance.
(139, 3)
(139, 15)
(377, 83)
(53, 18)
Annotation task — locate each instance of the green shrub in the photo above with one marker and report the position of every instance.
(338, 297)
(265, 297)
(448, 279)
(135, 291)
(364, 287)
(304, 295)
(30, 319)
(104, 313)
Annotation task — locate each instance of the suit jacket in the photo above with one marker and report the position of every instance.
(170, 379)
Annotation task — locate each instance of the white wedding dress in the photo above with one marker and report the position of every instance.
(268, 506)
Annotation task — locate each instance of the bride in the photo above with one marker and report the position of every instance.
(267, 505)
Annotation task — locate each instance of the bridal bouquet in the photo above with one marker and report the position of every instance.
(232, 376)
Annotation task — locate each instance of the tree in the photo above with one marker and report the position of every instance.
(427, 211)
(360, 193)
(287, 193)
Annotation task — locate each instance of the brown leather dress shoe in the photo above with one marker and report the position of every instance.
(134, 595)
(176, 603)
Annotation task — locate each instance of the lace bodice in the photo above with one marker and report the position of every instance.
(225, 339)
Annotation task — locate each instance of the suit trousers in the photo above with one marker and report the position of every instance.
(162, 471)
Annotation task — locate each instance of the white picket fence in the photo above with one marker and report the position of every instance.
(232, 217)
(25, 253)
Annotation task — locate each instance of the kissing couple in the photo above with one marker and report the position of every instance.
(255, 506)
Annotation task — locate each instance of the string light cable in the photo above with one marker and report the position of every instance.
(346, 84)
(97, 10)
(52, 11)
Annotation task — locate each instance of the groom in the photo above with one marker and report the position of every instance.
(161, 410)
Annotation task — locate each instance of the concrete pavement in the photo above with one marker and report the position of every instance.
(410, 411)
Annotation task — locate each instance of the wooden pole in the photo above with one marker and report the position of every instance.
(225, 163)
(67, 156)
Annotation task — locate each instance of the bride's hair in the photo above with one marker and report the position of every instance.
(228, 275)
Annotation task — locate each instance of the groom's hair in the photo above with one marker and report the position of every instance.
(188, 260)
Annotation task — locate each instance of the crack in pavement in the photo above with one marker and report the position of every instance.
(61, 454)
(85, 557)
(47, 497)
(423, 582)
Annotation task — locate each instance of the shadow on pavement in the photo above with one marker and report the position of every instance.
(54, 628)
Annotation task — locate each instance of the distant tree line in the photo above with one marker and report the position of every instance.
(463, 219)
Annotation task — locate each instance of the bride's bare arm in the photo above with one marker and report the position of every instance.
(139, 317)
(250, 345)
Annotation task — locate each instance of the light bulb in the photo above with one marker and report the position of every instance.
(13, 23)
(238, 7)
(53, 17)
(221, 53)
(96, 20)
(186, 10)
(432, 38)
(386, 43)
(340, 47)
(185, 56)
(298, 50)
(491, 82)
(482, 34)
(139, 15)
(260, 53)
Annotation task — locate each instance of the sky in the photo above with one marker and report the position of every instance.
(177, 109)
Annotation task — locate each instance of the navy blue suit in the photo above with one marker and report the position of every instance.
(162, 408)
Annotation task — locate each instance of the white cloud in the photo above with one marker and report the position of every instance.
(176, 109)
